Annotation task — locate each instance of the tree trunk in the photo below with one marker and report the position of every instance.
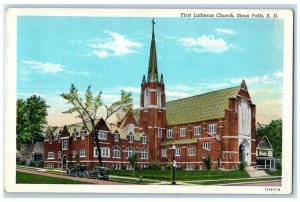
(98, 148)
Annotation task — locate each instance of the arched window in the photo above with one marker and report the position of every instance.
(130, 128)
(116, 152)
(147, 98)
(144, 154)
(130, 152)
(244, 119)
(158, 98)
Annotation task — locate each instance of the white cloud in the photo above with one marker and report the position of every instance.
(115, 45)
(44, 67)
(215, 86)
(256, 79)
(48, 68)
(225, 31)
(205, 43)
(278, 74)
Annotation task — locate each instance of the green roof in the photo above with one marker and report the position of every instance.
(180, 141)
(202, 107)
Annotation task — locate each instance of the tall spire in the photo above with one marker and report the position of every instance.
(152, 71)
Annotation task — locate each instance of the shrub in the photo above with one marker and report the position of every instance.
(154, 166)
(208, 163)
(21, 162)
(242, 166)
(39, 164)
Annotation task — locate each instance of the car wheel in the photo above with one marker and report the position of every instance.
(85, 174)
(98, 176)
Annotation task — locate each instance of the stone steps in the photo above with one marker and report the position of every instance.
(253, 172)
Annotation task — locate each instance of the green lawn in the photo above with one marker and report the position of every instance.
(234, 181)
(133, 180)
(28, 178)
(182, 175)
(274, 173)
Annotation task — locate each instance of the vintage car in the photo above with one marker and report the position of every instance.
(97, 173)
(77, 170)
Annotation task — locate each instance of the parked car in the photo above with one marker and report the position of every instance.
(77, 170)
(97, 173)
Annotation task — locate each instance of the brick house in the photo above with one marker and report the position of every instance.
(219, 124)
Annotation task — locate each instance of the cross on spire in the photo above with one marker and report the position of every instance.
(152, 71)
(153, 23)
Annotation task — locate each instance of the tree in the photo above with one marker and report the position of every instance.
(274, 133)
(86, 109)
(133, 161)
(31, 116)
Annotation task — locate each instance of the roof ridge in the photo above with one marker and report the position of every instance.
(203, 94)
(74, 124)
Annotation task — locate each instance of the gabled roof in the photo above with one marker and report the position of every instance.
(263, 142)
(39, 145)
(201, 107)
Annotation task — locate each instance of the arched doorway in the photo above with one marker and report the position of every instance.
(64, 163)
(244, 152)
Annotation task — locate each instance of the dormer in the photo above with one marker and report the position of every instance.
(74, 135)
(83, 133)
(130, 138)
(116, 136)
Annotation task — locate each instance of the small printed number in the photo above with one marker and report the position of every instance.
(272, 189)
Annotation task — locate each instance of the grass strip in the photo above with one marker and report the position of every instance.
(233, 181)
(28, 178)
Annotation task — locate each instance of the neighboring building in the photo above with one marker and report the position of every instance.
(38, 152)
(264, 154)
(219, 124)
(25, 153)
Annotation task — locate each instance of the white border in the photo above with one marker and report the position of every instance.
(10, 97)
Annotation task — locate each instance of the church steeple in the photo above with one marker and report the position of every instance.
(152, 71)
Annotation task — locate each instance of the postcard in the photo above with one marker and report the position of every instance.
(192, 101)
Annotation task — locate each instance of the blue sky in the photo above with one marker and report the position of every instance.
(195, 55)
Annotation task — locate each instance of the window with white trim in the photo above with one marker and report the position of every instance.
(164, 153)
(158, 98)
(224, 155)
(130, 138)
(144, 140)
(160, 132)
(231, 156)
(206, 145)
(59, 154)
(82, 153)
(51, 155)
(182, 132)
(102, 135)
(147, 96)
(83, 134)
(74, 153)
(130, 152)
(144, 154)
(74, 136)
(177, 152)
(116, 137)
(64, 144)
(197, 130)
(116, 152)
(192, 151)
(170, 133)
(212, 128)
(105, 152)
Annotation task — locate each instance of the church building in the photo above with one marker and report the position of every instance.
(218, 124)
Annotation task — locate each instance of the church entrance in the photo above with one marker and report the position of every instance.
(64, 163)
(244, 152)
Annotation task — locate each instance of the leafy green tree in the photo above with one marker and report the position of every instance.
(86, 109)
(274, 133)
(31, 116)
